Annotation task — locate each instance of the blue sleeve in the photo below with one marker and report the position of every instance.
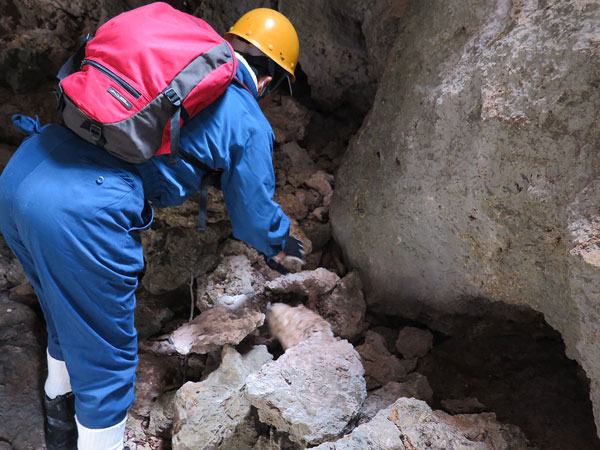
(169, 185)
(248, 186)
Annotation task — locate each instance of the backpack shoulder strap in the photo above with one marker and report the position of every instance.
(211, 177)
(74, 62)
(237, 80)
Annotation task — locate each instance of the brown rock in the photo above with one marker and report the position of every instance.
(345, 307)
(414, 342)
(288, 118)
(321, 182)
(381, 367)
(153, 374)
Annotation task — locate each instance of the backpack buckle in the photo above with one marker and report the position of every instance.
(173, 97)
(96, 132)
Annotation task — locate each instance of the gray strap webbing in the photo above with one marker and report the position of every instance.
(74, 62)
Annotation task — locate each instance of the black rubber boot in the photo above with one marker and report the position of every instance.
(60, 426)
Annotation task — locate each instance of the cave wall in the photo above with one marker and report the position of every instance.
(475, 174)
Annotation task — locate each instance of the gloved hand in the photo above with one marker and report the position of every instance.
(277, 266)
(293, 251)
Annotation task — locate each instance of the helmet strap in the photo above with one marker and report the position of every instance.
(268, 65)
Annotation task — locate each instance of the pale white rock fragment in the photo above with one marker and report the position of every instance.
(216, 327)
(291, 325)
(233, 276)
(378, 434)
(306, 283)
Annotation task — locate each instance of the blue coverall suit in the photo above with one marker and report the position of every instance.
(71, 213)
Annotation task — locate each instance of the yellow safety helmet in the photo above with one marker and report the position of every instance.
(272, 33)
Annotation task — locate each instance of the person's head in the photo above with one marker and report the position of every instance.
(269, 42)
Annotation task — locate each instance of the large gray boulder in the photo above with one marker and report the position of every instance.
(474, 177)
(409, 424)
(215, 413)
(311, 392)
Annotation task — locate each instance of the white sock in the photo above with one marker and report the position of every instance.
(58, 381)
(110, 438)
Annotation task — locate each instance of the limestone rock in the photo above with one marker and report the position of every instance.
(136, 437)
(378, 434)
(215, 413)
(321, 182)
(415, 426)
(414, 342)
(153, 374)
(292, 325)
(344, 44)
(233, 276)
(216, 327)
(5, 154)
(466, 405)
(462, 183)
(24, 293)
(37, 37)
(299, 166)
(292, 203)
(415, 386)
(162, 414)
(150, 314)
(307, 284)
(380, 365)
(311, 392)
(186, 214)
(276, 441)
(222, 15)
(345, 307)
(174, 254)
(318, 233)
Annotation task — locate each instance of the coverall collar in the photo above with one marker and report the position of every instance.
(246, 75)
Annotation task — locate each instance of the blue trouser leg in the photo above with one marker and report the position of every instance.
(71, 212)
(11, 236)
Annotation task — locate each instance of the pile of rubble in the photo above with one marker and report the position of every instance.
(297, 382)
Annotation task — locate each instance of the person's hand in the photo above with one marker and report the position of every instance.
(293, 253)
(294, 250)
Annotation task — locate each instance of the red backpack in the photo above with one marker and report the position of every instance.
(145, 72)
